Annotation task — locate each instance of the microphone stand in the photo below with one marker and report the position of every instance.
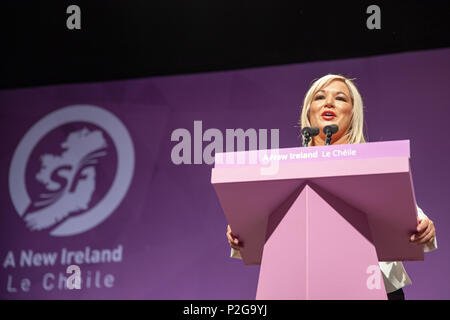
(307, 138)
(328, 139)
(307, 133)
(329, 131)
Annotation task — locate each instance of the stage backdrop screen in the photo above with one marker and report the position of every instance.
(114, 178)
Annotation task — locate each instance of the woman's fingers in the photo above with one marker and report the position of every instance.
(426, 232)
(235, 244)
(426, 239)
(233, 240)
(229, 237)
(423, 224)
(419, 235)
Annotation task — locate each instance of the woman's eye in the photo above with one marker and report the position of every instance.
(319, 97)
(341, 98)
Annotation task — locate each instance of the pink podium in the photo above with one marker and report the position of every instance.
(319, 219)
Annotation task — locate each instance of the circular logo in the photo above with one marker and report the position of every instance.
(71, 170)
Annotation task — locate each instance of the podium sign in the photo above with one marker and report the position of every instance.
(318, 219)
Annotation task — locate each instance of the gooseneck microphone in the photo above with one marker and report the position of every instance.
(329, 131)
(307, 133)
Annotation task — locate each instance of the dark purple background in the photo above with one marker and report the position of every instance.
(171, 223)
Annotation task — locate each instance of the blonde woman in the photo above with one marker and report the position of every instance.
(334, 99)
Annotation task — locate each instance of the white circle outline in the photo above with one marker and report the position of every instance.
(125, 164)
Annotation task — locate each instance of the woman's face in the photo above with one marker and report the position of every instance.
(332, 105)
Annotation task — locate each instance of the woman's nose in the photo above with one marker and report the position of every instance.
(329, 100)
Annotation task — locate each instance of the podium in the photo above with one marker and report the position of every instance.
(319, 219)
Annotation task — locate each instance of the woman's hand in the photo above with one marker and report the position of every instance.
(425, 232)
(233, 240)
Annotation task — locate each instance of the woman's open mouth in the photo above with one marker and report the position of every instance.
(328, 115)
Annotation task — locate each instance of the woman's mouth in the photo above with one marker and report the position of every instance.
(328, 115)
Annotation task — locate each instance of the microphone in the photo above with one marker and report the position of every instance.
(307, 133)
(329, 131)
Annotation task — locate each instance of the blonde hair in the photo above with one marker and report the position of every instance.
(355, 132)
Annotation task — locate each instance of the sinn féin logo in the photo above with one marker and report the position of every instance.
(71, 170)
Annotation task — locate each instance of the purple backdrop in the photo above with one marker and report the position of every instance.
(166, 233)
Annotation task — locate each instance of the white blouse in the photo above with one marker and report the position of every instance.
(394, 274)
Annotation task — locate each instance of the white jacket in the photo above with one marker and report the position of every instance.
(394, 274)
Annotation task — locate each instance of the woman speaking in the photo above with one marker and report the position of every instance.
(334, 99)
